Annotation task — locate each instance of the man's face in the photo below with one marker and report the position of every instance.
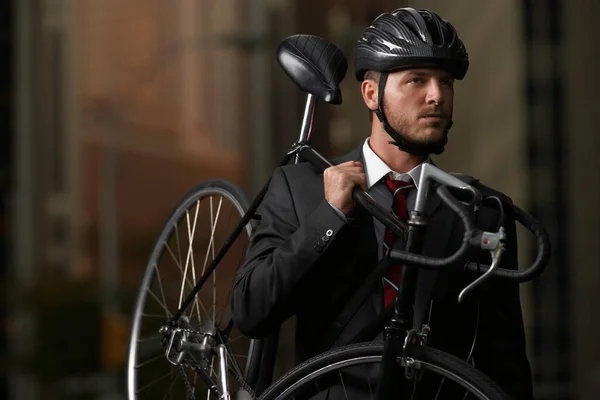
(418, 103)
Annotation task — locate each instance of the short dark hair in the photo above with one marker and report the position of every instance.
(373, 76)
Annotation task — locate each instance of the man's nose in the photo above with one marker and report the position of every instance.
(435, 94)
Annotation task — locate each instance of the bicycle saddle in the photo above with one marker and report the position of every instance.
(315, 65)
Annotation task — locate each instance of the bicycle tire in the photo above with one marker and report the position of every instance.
(305, 376)
(226, 191)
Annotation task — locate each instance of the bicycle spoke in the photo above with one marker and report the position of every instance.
(164, 306)
(197, 302)
(466, 393)
(191, 238)
(220, 315)
(214, 275)
(171, 385)
(343, 385)
(178, 246)
(162, 292)
(139, 365)
(185, 268)
(148, 338)
(237, 338)
(189, 253)
(211, 244)
(191, 285)
(153, 382)
(439, 389)
(211, 373)
(152, 316)
(201, 305)
(233, 363)
(191, 316)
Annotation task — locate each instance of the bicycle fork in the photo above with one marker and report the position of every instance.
(394, 350)
(222, 382)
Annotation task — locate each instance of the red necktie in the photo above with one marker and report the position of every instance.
(399, 190)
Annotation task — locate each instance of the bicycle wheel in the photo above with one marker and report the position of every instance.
(157, 365)
(351, 372)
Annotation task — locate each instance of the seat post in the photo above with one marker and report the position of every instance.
(307, 120)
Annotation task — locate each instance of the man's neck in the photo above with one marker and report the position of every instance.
(398, 160)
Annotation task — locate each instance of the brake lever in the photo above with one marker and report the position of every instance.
(494, 242)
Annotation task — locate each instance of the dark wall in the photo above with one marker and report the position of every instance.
(5, 170)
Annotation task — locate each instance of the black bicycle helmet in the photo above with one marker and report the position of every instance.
(409, 38)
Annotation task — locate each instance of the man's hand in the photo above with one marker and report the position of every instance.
(339, 180)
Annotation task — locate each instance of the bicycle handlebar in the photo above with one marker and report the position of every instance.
(473, 237)
(541, 260)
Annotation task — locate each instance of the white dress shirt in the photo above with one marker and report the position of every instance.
(376, 168)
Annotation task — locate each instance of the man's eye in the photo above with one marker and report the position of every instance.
(415, 80)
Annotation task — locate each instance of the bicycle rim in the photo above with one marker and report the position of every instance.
(351, 372)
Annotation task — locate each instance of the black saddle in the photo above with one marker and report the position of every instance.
(315, 65)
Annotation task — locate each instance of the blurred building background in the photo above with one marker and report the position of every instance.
(112, 109)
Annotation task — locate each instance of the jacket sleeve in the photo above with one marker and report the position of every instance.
(500, 350)
(282, 250)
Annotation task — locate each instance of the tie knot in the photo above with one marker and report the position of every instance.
(395, 186)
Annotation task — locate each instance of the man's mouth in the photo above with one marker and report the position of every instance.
(434, 115)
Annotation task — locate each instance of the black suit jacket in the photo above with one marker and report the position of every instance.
(304, 260)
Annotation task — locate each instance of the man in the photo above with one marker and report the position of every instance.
(314, 249)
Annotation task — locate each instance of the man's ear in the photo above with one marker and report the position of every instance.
(369, 90)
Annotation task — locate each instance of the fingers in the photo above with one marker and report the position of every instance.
(355, 172)
(340, 180)
(350, 172)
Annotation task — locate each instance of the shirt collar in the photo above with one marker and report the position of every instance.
(376, 168)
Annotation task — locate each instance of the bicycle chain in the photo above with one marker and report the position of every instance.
(188, 385)
(243, 384)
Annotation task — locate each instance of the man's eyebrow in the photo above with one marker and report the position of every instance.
(420, 73)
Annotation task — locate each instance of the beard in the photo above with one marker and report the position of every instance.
(417, 131)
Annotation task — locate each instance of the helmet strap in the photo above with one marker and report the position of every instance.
(417, 149)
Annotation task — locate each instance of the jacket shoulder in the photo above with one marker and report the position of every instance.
(484, 189)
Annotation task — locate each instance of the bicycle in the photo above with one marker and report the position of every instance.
(202, 349)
